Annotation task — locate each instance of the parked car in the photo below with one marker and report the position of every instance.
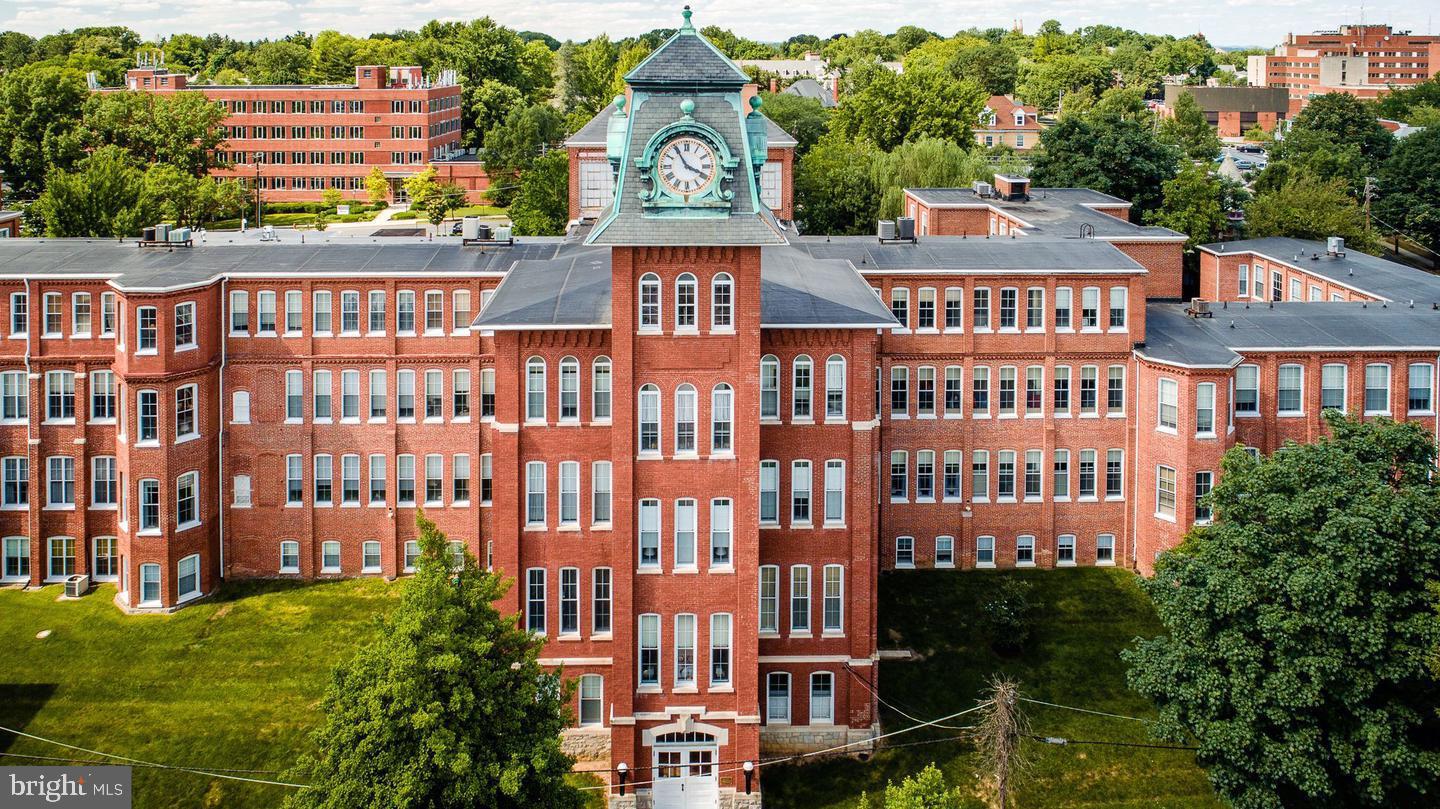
(1249, 148)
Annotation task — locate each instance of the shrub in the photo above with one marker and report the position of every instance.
(1006, 616)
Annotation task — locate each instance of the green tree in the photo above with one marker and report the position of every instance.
(419, 187)
(446, 198)
(189, 201)
(449, 707)
(279, 62)
(1402, 103)
(924, 163)
(332, 58)
(1318, 154)
(512, 145)
(629, 59)
(892, 109)
(835, 189)
(1308, 207)
(1410, 188)
(1299, 624)
(103, 196)
(994, 67)
(1109, 153)
(923, 790)
(1047, 84)
(40, 110)
(1187, 129)
(331, 197)
(805, 118)
(1347, 120)
(1192, 203)
(492, 101)
(542, 205)
(377, 187)
(586, 71)
(182, 130)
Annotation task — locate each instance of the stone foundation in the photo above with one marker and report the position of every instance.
(586, 744)
(729, 799)
(781, 740)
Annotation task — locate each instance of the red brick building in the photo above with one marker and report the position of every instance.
(295, 141)
(690, 435)
(1362, 60)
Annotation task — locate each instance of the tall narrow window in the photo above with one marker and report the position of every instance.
(649, 641)
(569, 389)
(350, 312)
(1205, 408)
(376, 310)
(900, 305)
(600, 390)
(1165, 491)
(1009, 304)
(434, 312)
(835, 387)
(777, 698)
(954, 308)
(60, 396)
(1087, 474)
(685, 521)
(102, 396)
(833, 609)
(800, 599)
(487, 393)
(600, 601)
(720, 532)
(980, 392)
(1168, 402)
(600, 492)
(1060, 475)
(649, 518)
(835, 492)
(685, 303)
(769, 387)
(294, 480)
(146, 328)
(769, 492)
(685, 420)
(1290, 394)
(321, 399)
(19, 314)
(147, 405)
(535, 493)
(650, 302)
(239, 312)
(434, 395)
(535, 600)
(1377, 389)
(405, 479)
(1035, 309)
(569, 493)
(350, 395)
(925, 392)
(1064, 309)
(1119, 306)
(1115, 390)
(535, 389)
(801, 389)
(769, 598)
(800, 492)
(980, 475)
(720, 648)
(1114, 474)
(1090, 308)
(1333, 386)
(1203, 484)
(405, 312)
(649, 418)
(324, 480)
(899, 392)
(185, 424)
(378, 395)
(722, 400)
(1421, 387)
(377, 480)
(322, 315)
(569, 601)
(684, 650)
(460, 394)
(722, 292)
(434, 480)
(1247, 389)
(294, 314)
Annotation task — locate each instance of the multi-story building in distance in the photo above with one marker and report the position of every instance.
(693, 437)
(295, 141)
(1362, 60)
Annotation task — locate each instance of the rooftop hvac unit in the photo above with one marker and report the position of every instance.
(1335, 245)
(148, 234)
(485, 232)
(162, 233)
(1199, 307)
(180, 235)
(887, 229)
(982, 188)
(77, 585)
(502, 233)
(905, 227)
(470, 227)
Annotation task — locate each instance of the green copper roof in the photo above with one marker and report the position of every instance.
(687, 58)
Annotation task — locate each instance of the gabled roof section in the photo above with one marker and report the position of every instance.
(687, 59)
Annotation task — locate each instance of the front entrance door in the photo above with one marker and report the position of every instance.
(685, 778)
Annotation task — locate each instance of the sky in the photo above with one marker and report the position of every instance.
(1225, 22)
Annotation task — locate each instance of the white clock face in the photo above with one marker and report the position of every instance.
(687, 165)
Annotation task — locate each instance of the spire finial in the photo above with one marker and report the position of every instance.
(686, 26)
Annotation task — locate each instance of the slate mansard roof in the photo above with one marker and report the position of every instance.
(1172, 337)
(1385, 279)
(592, 134)
(157, 269)
(573, 290)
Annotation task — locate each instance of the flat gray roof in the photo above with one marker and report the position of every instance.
(1380, 277)
(1052, 211)
(1172, 336)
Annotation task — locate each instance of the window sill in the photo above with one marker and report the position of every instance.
(62, 507)
(1165, 517)
(1105, 563)
(720, 688)
(187, 526)
(647, 689)
(329, 570)
(146, 352)
(1024, 564)
(721, 456)
(113, 507)
(685, 570)
(601, 636)
(536, 529)
(685, 689)
(652, 570)
(185, 439)
(322, 334)
(570, 528)
(799, 636)
(722, 570)
(184, 348)
(945, 565)
(58, 423)
(1064, 563)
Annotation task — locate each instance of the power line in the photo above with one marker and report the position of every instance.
(871, 688)
(143, 763)
(1061, 741)
(106, 762)
(1083, 710)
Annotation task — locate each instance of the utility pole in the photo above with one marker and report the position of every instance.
(999, 732)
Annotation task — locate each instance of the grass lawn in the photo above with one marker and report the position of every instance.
(469, 210)
(1084, 618)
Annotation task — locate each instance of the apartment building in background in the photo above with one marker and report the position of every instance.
(1361, 60)
(1233, 111)
(295, 141)
(692, 436)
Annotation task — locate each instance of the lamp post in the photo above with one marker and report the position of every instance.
(749, 768)
(624, 771)
(258, 156)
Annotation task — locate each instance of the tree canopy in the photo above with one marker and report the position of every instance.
(1300, 624)
(1410, 188)
(449, 707)
(1308, 207)
(1109, 151)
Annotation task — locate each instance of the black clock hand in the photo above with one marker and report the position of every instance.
(686, 163)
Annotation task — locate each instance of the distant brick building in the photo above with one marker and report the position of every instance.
(295, 141)
(1233, 111)
(692, 436)
(1361, 60)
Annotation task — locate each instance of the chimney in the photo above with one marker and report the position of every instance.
(774, 85)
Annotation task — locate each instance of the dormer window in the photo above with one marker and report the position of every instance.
(1019, 117)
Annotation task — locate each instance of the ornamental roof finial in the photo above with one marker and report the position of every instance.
(686, 26)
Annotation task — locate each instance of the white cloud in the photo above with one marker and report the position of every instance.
(1227, 23)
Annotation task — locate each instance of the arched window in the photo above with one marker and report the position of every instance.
(835, 387)
(722, 400)
(802, 388)
(722, 300)
(650, 302)
(600, 381)
(769, 387)
(685, 306)
(569, 389)
(685, 406)
(535, 389)
(649, 405)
